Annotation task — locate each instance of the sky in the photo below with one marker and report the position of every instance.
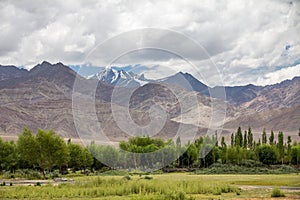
(240, 42)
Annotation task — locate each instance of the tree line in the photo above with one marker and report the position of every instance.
(43, 151)
(46, 151)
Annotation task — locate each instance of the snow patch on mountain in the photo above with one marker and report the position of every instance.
(120, 78)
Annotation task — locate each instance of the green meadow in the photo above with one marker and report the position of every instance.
(173, 186)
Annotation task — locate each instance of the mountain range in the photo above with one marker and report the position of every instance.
(42, 98)
(236, 95)
(120, 78)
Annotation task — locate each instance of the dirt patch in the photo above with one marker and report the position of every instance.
(253, 187)
(35, 182)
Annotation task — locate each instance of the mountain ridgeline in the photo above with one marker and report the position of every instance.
(42, 98)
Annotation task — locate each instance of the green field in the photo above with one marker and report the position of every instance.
(160, 186)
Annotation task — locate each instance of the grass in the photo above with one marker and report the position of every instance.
(171, 186)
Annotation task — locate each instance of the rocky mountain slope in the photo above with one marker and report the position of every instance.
(11, 72)
(42, 98)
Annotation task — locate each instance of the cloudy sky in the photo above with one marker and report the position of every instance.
(254, 41)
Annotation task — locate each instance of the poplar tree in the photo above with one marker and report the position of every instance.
(223, 143)
(289, 147)
(239, 137)
(271, 138)
(245, 140)
(264, 137)
(250, 138)
(280, 145)
(232, 140)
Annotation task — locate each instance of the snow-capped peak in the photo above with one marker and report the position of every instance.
(120, 78)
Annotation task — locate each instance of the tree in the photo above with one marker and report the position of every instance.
(206, 154)
(178, 142)
(223, 149)
(245, 140)
(254, 145)
(239, 154)
(52, 150)
(280, 146)
(75, 152)
(232, 140)
(289, 148)
(178, 149)
(216, 138)
(86, 159)
(198, 142)
(143, 145)
(223, 143)
(239, 137)
(94, 150)
(250, 138)
(8, 155)
(295, 155)
(264, 137)
(192, 155)
(139, 144)
(27, 149)
(216, 154)
(271, 138)
(231, 155)
(110, 155)
(266, 154)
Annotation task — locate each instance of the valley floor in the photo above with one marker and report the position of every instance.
(171, 186)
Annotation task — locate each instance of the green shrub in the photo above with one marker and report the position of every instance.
(175, 196)
(127, 177)
(114, 173)
(217, 192)
(28, 174)
(286, 169)
(54, 174)
(276, 192)
(148, 177)
(181, 195)
(246, 169)
(38, 184)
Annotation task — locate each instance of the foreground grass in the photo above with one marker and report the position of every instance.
(259, 180)
(164, 186)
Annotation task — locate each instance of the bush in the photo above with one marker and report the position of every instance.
(286, 169)
(251, 163)
(148, 177)
(127, 177)
(276, 192)
(237, 169)
(28, 174)
(175, 196)
(38, 184)
(114, 173)
(181, 195)
(53, 174)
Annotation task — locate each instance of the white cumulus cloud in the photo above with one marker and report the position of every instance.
(248, 40)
